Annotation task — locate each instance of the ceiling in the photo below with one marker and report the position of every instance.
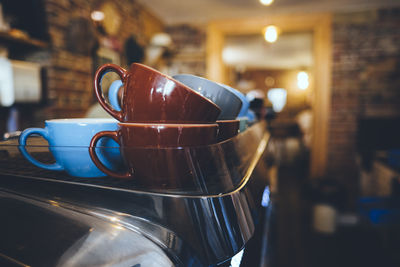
(202, 11)
(291, 51)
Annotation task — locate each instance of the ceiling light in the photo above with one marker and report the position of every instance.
(271, 34)
(266, 2)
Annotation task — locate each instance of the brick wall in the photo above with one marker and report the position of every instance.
(365, 81)
(69, 73)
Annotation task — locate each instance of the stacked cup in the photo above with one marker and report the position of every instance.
(227, 98)
(157, 115)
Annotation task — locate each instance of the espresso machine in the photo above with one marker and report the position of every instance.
(53, 219)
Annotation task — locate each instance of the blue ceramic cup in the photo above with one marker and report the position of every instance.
(244, 113)
(245, 103)
(69, 141)
(229, 103)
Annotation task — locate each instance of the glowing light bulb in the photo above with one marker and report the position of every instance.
(302, 80)
(271, 34)
(97, 15)
(266, 2)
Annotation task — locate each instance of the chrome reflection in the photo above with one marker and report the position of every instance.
(237, 259)
(103, 244)
(189, 230)
(265, 197)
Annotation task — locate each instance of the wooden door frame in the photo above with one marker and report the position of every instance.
(321, 26)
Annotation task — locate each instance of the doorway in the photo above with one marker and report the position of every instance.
(319, 25)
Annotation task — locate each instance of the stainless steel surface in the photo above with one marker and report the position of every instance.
(193, 230)
(39, 233)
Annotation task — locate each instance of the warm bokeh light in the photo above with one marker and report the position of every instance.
(271, 34)
(266, 2)
(269, 81)
(97, 15)
(302, 80)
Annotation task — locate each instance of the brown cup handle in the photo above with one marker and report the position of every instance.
(99, 91)
(95, 158)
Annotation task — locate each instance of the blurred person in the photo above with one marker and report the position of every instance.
(256, 99)
(305, 121)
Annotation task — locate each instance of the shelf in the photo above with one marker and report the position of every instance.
(9, 38)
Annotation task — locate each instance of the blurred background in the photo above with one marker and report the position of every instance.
(324, 74)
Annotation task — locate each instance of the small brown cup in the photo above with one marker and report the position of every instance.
(152, 97)
(144, 148)
(227, 129)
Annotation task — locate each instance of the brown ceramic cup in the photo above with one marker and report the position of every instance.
(227, 129)
(152, 97)
(144, 148)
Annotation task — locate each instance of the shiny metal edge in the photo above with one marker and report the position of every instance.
(213, 228)
(92, 218)
(261, 147)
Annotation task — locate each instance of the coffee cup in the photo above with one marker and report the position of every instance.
(228, 102)
(152, 97)
(152, 152)
(227, 129)
(245, 103)
(69, 140)
(245, 112)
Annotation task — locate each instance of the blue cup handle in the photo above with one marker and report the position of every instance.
(113, 94)
(22, 143)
